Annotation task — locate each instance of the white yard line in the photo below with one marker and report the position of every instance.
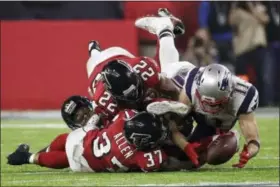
(267, 158)
(45, 125)
(248, 183)
(66, 171)
(44, 180)
(56, 114)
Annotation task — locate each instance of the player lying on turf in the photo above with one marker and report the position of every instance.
(131, 142)
(135, 79)
(217, 99)
(117, 85)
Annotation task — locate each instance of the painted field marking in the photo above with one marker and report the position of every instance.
(68, 171)
(45, 125)
(249, 183)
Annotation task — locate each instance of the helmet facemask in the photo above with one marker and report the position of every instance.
(211, 105)
(82, 116)
(76, 111)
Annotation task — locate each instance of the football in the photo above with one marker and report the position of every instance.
(222, 149)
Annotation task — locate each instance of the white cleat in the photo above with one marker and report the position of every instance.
(154, 24)
(179, 27)
(163, 107)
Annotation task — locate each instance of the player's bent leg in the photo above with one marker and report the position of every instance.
(163, 28)
(101, 56)
(58, 144)
(171, 70)
(167, 51)
(74, 150)
(53, 159)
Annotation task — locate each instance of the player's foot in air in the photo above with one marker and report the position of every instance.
(163, 107)
(154, 24)
(20, 156)
(179, 28)
(93, 44)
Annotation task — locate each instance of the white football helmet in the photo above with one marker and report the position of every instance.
(214, 87)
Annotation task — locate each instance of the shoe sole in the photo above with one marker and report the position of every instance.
(147, 25)
(163, 13)
(160, 108)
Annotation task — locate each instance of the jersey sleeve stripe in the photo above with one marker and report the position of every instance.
(178, 80)
(247, 100)
(189, 82)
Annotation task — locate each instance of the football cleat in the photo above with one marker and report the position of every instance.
(179, 28)
(154, 25)
(20, 156)
(93, 45)
(163, 107)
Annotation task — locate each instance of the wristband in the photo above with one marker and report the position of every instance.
(255, 142)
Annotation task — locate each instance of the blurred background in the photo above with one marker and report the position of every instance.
(44, 44)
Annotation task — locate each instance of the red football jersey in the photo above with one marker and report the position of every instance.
(108, 150)
(146, 67)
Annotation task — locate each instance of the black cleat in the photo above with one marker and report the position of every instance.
(93, 45)
(179, 28)
(20, 156)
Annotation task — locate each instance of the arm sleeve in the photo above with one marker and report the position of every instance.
(250, 102)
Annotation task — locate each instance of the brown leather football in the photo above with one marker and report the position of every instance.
(222, 149)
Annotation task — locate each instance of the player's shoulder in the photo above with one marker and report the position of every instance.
(245, 96)
(125, 114)
(190, 81)
(149, 62)
(98, 90)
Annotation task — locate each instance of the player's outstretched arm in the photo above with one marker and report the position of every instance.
(179, 139)
(249, 129)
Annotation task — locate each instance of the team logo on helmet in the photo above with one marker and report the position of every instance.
(225, 82)
(198, 78)
(130, 90)
(140, 139)
(70, 107)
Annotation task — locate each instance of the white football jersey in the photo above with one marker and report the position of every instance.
(244, 99)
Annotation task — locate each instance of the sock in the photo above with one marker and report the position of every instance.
(94, 52)
(164, 33)
(31, 158)
(167, 50)
(54, 159)
(58, 144)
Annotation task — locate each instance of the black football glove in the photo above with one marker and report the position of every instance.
(20, 156)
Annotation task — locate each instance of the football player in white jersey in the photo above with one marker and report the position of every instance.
(216, 98)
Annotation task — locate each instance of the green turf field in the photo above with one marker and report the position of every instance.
(263, 168)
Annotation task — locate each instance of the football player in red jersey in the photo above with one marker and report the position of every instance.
(136, 78)
(131, 142)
